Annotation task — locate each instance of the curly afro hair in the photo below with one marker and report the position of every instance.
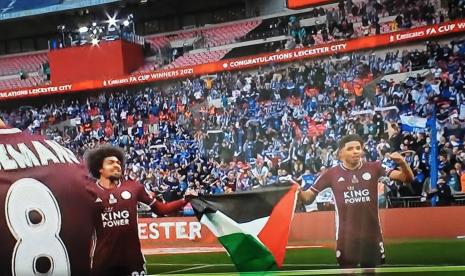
(94, 158)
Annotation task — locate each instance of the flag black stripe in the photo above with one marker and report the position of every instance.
(241, 207)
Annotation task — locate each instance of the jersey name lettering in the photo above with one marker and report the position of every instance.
(21, 156)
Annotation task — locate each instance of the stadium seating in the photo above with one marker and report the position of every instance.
(178, 125)
(16, 82)
(198, 58)
(11, 65)
(214, 35)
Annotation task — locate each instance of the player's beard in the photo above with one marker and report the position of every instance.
(114, 178)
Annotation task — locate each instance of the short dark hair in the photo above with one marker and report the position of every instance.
(94, 158)
(350, 138)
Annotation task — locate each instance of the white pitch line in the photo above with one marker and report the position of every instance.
(351, 271)
(215, 249)
(287, 265)
(187, 269)
(185, 264)
(188, 264)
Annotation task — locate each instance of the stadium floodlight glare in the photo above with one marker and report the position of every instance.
(95, 41)
(83, 30)
(126, 23)
(112, 20)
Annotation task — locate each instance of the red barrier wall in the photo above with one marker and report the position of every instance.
(300, 4)
(133, 57)
(413, 223)
(108, 59)
(399, 223)
(438, 222)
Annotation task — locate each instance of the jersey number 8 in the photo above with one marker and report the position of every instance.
(34, 219)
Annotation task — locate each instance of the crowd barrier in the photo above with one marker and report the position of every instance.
(312, 228)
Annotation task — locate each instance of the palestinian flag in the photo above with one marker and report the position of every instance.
(252, 226)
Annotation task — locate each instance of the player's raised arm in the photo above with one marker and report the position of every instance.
(161, 208)
(405, 173)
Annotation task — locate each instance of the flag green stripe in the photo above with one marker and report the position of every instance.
(247, 253)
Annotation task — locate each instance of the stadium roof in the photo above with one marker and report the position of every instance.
(10, 9)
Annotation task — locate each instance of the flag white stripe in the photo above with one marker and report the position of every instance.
(222, 225)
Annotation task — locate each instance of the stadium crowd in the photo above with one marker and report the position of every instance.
(235, 131)
(351, 19)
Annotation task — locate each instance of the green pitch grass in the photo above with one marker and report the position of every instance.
(424, 257)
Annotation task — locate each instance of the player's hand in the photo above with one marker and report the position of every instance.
(299, 194)
(396, 157)
(151, 194)
(190, 193)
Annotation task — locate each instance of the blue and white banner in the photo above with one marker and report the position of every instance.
(377, 109)
(413, 123)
